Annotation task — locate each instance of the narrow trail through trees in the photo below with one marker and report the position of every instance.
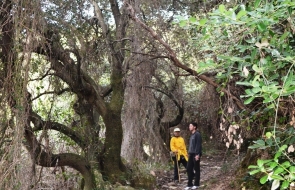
(216, 174)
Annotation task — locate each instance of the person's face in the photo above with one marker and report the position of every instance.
(191, 127)
(176, 133)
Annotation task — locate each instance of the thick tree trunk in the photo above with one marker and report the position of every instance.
(112, 163)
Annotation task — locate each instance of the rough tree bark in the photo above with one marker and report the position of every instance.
(89, 97)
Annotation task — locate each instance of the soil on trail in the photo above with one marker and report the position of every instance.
(217, 173)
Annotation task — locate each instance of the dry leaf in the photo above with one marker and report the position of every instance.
(291, 148)
(229, 110)
(152, 173)
(245, 71)
(264, 43)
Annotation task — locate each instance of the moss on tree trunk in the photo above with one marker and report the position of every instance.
(113, 168)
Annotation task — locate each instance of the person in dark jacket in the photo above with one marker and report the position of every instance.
(194, 157)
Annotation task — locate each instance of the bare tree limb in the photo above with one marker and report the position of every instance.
(52, 92)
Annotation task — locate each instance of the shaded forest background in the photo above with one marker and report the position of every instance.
(90, 90)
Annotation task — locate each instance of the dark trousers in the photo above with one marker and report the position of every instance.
(193, 170)
(180, 161)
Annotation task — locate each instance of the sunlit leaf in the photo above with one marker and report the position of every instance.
(222, 8)
(257, 3)
(254, 172)
(285, 184)
(202, 22)
(263, 180)
(241, 14)
(249, 100)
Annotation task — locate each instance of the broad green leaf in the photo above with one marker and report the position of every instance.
(275, 184)
(286, 164)
(284, 147)
(182, 23)
(260, 142)
(292, 169)
(267, 99)
(256, 68)
(261, 26)
(254, 172)
(288, 90)
(277, 177)
(241, 14)
(256, 90)
(193, 20)
(263, 180)
(260, 163)
(278, 170)
(249, 100)
(272, 165)
(257, 3)
(285, 184)
(202, 22)
(255, 83)
(221, 8)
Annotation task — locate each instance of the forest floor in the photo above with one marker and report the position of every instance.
(217, 172)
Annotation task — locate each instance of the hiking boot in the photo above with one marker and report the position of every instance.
(195, 187)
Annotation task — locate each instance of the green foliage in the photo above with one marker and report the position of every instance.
(255, 43)
(280, 170)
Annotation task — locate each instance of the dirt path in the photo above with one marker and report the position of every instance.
(216, 174)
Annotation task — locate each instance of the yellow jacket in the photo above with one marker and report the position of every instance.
(178, 144)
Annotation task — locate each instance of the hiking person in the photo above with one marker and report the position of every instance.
(179, 153)
(194, 157)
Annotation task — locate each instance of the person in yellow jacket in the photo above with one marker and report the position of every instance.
(178, 148)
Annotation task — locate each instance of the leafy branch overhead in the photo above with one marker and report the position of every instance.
(173, 57)
(253, 45)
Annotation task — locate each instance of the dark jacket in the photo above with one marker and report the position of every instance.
(195, 144)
